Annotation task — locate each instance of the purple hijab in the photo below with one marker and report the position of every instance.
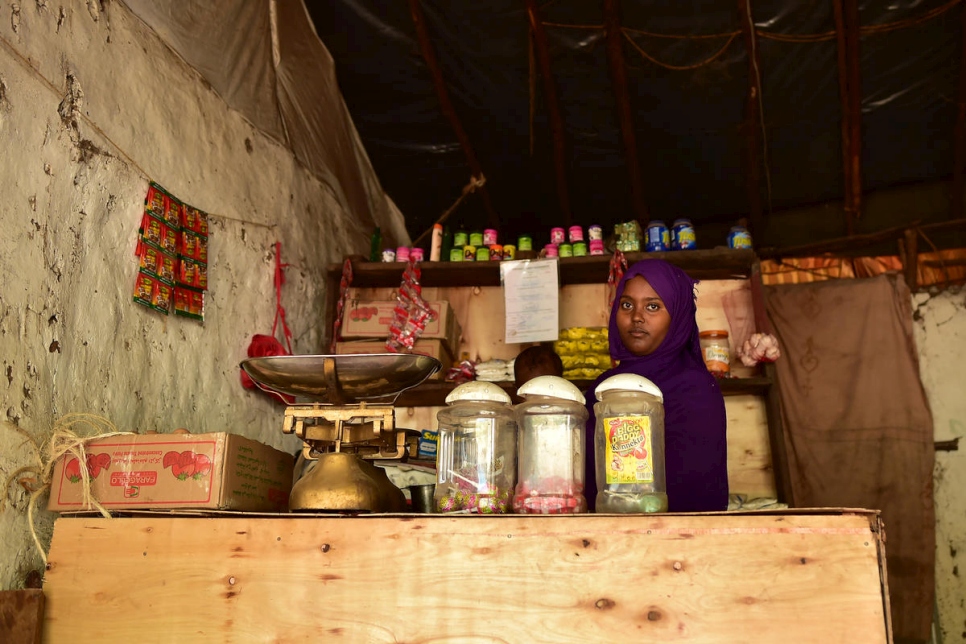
(695, 423)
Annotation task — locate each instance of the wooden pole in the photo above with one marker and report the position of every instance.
(855, 104)
(850, 93)
(553, 107)
(618, 77)
(752, 122)
(432, 63)
(957, 209)
(910, 258)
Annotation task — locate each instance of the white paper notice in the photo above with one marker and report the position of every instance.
(531, 293)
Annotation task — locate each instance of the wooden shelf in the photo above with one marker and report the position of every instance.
(716, 264)
(433, 393)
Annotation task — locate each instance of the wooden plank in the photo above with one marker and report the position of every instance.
(750, 469)
(715, 264)
(641, 578)
(21, 616)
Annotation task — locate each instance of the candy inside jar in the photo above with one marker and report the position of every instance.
(550, 473)
(476, 455)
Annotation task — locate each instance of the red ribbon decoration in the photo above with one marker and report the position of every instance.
(618, 266)
(263, 346)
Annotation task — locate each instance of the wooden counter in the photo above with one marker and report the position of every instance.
(798, 576)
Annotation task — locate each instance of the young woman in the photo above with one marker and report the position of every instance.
(653, 333)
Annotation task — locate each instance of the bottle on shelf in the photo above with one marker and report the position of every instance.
(436, 246)
(375, 246)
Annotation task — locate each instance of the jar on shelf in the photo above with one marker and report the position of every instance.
(476, 464)
(629, 446)
(716, 351)
(550, 472)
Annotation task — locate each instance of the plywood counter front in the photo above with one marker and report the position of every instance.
(729, 577)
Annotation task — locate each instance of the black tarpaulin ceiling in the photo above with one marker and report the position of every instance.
(687, 81)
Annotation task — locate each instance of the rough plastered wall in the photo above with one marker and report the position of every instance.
(941, 339)
(92, 105)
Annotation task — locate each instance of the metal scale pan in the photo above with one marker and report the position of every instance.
(342, 379)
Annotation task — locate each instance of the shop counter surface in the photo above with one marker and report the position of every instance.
(786, 576)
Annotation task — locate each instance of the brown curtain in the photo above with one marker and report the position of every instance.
(858, 428)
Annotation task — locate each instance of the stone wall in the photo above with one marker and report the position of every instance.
(93, 105)
(940, 327)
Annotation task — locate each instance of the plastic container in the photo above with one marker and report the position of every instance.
(388, 255)
(550, 454)
(657, 236)
(575, 234)
(446, 250)
(525, 243)
(456, 254)
(469, 253)
(483, 254)
(565, 250)
(551, 250)
(402, 254)
(476, 466)
(716, 351)
(489, 237)
(558, 236)
(739, 237)
(683, 236)
(416, 254)
(580, 249)
(460, 239)
(596, 246)
(509, 251)
(595, 232)
(496, 252)
(629, 446)
(476, 238)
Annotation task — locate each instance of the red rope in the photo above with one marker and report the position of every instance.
(279, 309)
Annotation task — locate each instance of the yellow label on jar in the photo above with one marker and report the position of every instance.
(628, 450)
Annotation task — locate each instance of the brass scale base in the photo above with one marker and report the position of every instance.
(339, 439)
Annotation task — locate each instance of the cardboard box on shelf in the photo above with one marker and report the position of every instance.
(433, 348)
(204, 471)
(371, 319)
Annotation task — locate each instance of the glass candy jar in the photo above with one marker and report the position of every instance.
(552, 421)
(476, 456)
(629, 446)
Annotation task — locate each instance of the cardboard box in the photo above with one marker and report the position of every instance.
(432, 348)
(371, 319)
(215, 471)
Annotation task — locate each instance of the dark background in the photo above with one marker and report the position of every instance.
(687, 122)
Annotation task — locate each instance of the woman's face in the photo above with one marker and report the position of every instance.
(642, 318)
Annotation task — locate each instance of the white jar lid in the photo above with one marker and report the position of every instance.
(478, 391)
(629, 382)
(553, 386)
